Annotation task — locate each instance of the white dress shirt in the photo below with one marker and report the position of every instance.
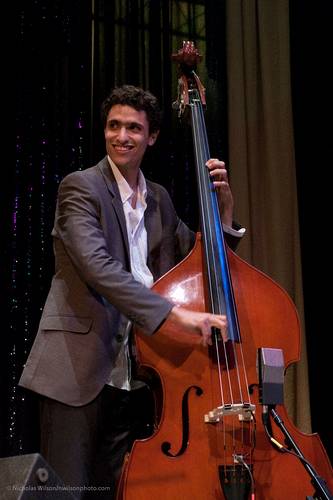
(120, 376)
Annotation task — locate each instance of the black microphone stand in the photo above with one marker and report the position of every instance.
(319, 484)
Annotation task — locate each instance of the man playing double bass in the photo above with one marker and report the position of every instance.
(114, 234)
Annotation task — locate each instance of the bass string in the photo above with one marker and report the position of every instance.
(207, 199)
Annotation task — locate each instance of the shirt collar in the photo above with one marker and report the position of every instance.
(126, 192)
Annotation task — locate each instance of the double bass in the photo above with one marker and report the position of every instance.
(214, 439)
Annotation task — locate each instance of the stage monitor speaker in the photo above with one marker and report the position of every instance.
(29, 477)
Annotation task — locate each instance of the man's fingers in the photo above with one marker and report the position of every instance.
(211, 321)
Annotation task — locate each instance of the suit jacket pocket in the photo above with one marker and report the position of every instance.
(66, 323)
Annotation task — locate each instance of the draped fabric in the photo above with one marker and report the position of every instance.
(52, 88)
(68, 55)
(279, 102)
(262, 159)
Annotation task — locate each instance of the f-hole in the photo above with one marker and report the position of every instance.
(166, 445)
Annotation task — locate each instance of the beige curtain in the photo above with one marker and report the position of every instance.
(262, 163)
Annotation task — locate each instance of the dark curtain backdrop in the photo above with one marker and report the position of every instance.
(68, 55)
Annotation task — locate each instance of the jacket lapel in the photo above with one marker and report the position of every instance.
(112, 187)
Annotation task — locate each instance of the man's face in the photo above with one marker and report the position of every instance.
(127, 136)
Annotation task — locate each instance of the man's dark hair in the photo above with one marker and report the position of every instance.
(137, 98)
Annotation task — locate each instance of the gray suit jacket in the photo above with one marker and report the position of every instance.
(93, 292)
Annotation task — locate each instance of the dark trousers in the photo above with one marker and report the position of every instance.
(86, 445)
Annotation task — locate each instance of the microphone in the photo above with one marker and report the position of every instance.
(271, 376)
